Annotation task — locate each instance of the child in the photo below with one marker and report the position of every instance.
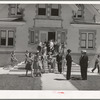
(50, 65)
(26, 55)
(37, 64)
(29, 64)
(13, 59)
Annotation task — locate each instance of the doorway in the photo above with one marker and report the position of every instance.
(51, 36)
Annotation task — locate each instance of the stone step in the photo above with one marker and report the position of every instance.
(21, 67)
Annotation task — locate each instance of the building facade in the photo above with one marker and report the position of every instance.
(23, 26)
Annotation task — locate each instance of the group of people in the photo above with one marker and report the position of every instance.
(48, 55)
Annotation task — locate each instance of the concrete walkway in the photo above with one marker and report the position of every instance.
(51, 81)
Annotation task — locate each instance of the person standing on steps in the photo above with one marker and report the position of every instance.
(83, 64)
(96, 64)
(69, 64)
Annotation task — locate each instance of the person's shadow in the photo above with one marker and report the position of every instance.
(58, 79)
(76, 78)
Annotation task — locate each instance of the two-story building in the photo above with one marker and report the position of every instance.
(23, 26)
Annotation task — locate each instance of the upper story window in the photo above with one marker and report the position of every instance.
(54, 10)
(7, 37)
(87, 39)
(80, 13)
(42, 10)
(15, 10)
(48, 11)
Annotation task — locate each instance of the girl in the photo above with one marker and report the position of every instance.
(37, 64)
(29, 64)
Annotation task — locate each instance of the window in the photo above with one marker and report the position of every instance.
(31, 36)
(14, 10)
(7, 37)
(42, 10)
(48, 11)
(79, 13)
(87, 40)
(54, 10)
(63, 37)
(10, 37)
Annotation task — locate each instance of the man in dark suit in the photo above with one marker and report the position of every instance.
(69, 64)
(59, 62)
(83, 64)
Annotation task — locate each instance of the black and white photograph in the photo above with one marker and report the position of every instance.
(46, 46)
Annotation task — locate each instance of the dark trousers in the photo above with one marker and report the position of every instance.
(60, 67)
(96, 66)
(68, 72)
(84, 72)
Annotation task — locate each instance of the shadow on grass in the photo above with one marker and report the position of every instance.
(76, 78)
(92, 82)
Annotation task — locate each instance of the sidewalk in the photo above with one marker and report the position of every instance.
(51, 81)
(54, 81)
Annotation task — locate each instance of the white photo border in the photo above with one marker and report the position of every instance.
(44, 94)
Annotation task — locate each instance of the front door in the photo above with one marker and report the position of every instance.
(51, 36)
(43, 36)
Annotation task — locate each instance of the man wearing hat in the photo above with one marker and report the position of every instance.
(83, 64)
(69, 64)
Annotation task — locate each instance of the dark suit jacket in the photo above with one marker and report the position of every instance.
(84, 61)
(69, 59)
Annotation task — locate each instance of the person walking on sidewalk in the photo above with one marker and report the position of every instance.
(96, 64)
(83, 64)
(69, 64)
(59, 62)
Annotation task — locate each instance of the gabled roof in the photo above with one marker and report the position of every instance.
(93, 9)
(74, 7)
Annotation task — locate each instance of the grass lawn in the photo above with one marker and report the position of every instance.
(92, 82)
(19, 82)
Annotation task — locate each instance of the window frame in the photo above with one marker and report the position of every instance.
(59, 12)
(87, 32)
(75, 14)
(7, 33)
(48, 12)
(30, 37)
(16, 11)
(41, 16)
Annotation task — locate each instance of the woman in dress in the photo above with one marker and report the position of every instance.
(29, 64)
(37, 64)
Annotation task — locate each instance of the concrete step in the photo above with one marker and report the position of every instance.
(21, 67)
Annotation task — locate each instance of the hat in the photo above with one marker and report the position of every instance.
(68, 50)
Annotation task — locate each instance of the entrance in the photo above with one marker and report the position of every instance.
(43, 36)
(51, 36)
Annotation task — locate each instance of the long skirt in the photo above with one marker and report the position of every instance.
(37, 68)
(28, 66)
